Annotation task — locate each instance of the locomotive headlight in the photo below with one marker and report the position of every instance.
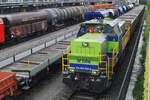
(94, 72)
(71, 70)
(85, 44)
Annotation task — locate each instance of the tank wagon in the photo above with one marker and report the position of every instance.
(112, 12)
(21, 25)
(91, 58)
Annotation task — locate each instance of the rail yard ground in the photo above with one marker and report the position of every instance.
(46, 89)
(49, 89)
(45, 74)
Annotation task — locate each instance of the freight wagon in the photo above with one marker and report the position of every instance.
(8, 84)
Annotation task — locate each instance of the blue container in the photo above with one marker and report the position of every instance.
(124, 8)
(121, 10)
(112, 38)
(93, 15)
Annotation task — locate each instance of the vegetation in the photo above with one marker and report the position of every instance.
(146, 77)
(140, 91)
(146, 39)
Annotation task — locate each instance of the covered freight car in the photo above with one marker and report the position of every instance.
(21, 25)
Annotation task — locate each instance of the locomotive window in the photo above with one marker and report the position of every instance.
(90, 28)
(82, 31)
(94, 28)
(118, 30)
(99, 29)
(107, 29)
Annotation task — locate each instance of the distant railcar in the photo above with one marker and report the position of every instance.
(111, 12)
(103, 6)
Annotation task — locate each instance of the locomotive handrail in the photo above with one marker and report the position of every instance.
(126, 37)
(108, 67)
(63, 63)
(115, 53)
(107, 62)
(65, 58)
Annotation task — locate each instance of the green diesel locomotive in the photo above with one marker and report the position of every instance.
(91, 58)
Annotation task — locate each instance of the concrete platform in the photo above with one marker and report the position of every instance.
(30, 66)
(12, 54)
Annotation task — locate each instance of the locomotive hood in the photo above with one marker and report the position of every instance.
(90, 47)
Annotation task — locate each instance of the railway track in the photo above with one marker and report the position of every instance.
(82, 95)
(126, 80)
(120, 83)
(119, 87)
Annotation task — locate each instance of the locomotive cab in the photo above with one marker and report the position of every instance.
(92, 26)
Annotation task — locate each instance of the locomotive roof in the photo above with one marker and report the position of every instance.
(93, 21)
(92, 38)
(112, 23)
(117, 21)
(98, 21)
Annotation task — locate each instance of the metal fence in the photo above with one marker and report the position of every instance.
(4, 2)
